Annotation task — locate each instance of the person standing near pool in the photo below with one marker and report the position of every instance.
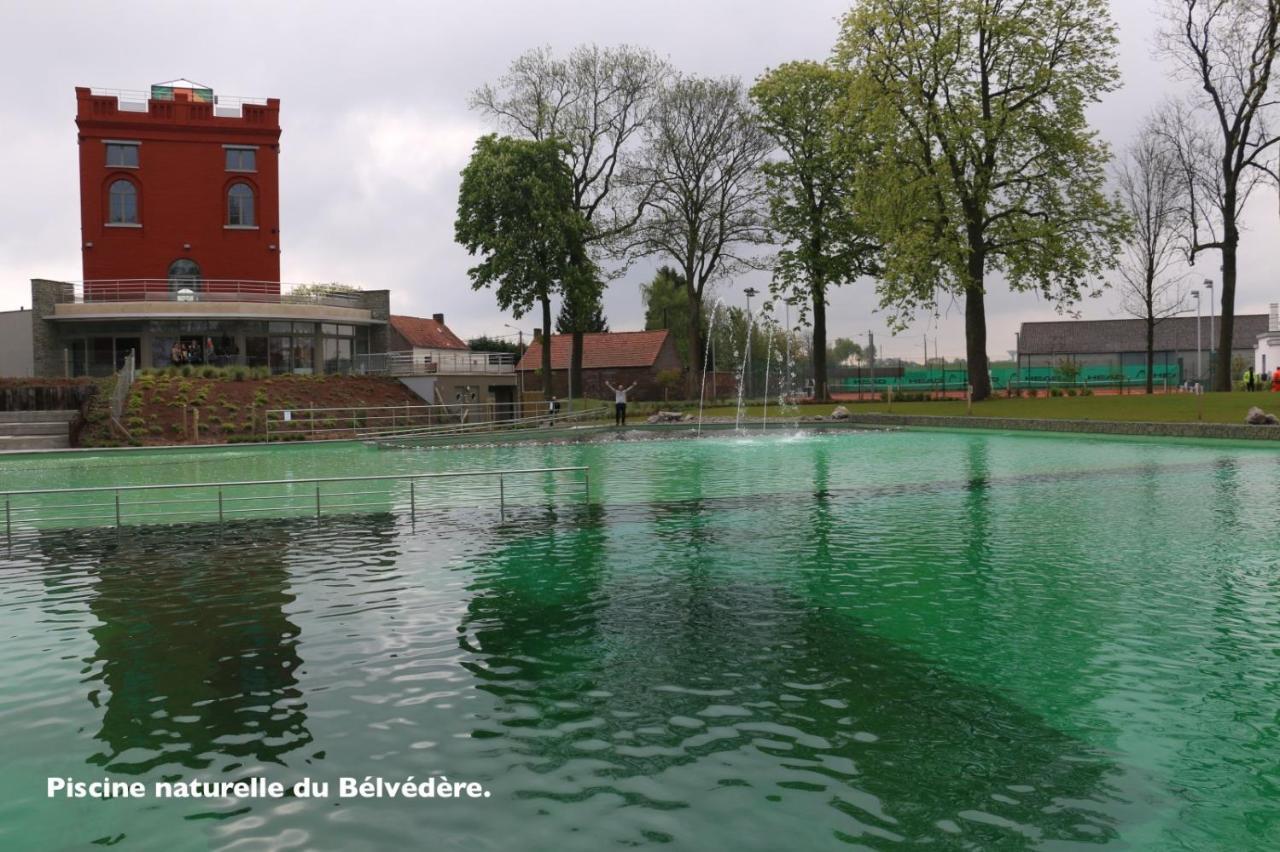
(620, 402)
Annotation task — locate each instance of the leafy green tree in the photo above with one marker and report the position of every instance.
(810, 206)
(706, 206)
(968, 118)
(667, 306)
(516, 211)
(596, 101)
(581, 311)
(842, 349)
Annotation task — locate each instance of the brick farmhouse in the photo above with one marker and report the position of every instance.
(619, 357)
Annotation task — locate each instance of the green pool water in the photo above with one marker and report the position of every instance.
(867, 640)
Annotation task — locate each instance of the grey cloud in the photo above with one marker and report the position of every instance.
(376, 129)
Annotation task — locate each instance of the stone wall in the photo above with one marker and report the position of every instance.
(48, 358)
(378, 304)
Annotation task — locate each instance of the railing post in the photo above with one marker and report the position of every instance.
(317, 502)
(413, 502)
(586, 486)
(502, 499)
(8, 522)
(219, 504)
(117, 507)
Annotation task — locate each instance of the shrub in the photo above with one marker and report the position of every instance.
(136, 423)
(1071, 391)
(1086, 391)
(1055, 392)
(156, 429)
(185, 370)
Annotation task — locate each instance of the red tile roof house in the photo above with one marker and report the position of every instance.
(420, 333)
(619, 357)
(443, 369)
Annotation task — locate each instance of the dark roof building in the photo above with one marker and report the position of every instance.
(1095, 337)
(1120, 346)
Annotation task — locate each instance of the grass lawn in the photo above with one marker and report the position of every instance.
(1217, 407)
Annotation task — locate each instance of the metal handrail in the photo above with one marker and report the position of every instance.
(111, 513)
(487, 425)
(204, 290)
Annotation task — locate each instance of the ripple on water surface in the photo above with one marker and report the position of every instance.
(1018, 643)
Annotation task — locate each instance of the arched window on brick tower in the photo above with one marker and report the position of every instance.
(123, 203)
(184, 274)
(240, 206)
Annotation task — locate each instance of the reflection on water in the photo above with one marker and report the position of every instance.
(753, 691)
(953, 641)
(195, 655)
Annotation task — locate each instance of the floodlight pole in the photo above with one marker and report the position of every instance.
(1209, 286)
(1195, 294)
(746, 376)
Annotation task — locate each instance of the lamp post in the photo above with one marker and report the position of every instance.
(746, 358)
(1195, 294)
(519, 355)
(1209, 286)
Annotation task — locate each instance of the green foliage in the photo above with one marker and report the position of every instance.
(968, 122)
(1067, 370)
(516, 212)
(842, 349)
(493, 344)
(666, 305)
(811, 211)
(669, 380)
(581, 310)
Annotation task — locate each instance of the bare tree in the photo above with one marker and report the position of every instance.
(597, 101)
(1226, 49)
(1151, 192)
(707, 203)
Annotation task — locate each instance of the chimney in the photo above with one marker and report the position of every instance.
(537, 334)
(1274, 325)
(438, 318)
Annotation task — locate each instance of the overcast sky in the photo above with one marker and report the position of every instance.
(376, 130)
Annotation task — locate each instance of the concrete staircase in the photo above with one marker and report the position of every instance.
(35, 430)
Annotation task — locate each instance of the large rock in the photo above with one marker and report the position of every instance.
(1258, 417)
(668, 417)
(840, 413)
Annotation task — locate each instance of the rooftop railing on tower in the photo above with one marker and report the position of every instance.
(208, 290)
(136, 100)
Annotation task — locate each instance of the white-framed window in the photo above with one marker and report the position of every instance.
(122, 155)
(242, 159)
(240, 206)
(122, 207)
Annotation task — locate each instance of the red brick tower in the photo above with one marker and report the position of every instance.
(178, 189)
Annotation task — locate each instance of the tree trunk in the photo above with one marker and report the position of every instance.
(1151, 349)
(1222, 358)
(975, 321)
(820, 343)
(575, 367)
(546, 348)
(697, 352)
